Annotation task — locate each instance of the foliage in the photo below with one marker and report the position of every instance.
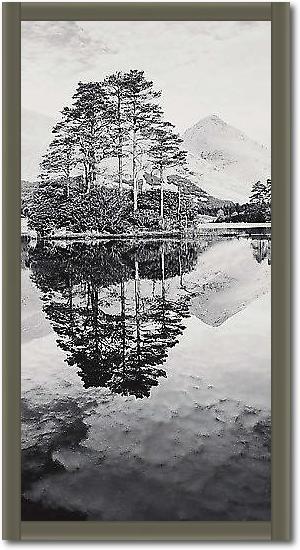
(257, 210)
(102, 210)
(258, 193)
(165, 149)
(118, 117)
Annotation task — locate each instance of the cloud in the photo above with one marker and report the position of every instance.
(200, 66)
(60, 43)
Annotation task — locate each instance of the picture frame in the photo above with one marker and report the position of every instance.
(278, 529)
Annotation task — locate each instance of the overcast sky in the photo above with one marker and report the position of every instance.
(202, 67)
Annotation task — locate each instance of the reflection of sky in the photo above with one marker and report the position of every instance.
(197, 447)
(202, 67)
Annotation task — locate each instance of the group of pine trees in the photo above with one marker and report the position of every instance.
(258, 209)
(119, 118)
(118, 122)
(260, 201)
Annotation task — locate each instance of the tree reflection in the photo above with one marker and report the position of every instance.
(261, 249)
(103, 303)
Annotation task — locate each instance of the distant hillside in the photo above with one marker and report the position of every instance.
(187, 188)
(190, 188)
(223, 160)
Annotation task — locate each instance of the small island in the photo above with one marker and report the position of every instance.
(116, 168)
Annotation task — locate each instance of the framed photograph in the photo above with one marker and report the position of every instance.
(146, 178)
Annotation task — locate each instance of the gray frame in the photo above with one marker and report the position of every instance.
(279, 527)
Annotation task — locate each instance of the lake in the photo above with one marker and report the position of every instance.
(146, 379)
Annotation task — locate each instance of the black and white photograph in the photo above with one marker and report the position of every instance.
(146, 270)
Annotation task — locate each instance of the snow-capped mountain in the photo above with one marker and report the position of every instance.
(223, 160)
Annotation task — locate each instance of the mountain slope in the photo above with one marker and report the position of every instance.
(223, 160)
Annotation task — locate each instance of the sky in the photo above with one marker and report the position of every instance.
(201, 67)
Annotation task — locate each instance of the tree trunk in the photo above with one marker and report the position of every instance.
(93, 172)
(91, 176)
(162, 198)
(68, 187)
(179, 203)
(180, 268)
(71, 300)
(120, 145)
(86, 178)
(88, 296)
(153, 289)
(134, 179)
(120, 159)
(67, 173)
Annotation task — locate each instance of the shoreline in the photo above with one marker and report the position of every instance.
(234, 225)
(194, 233)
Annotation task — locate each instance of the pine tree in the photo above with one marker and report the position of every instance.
(258, 193)
(60, 158)
(88, 121)
(117, 112)
(165, 152)
(143, 114)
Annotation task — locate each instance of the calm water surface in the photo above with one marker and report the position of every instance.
(146, 379)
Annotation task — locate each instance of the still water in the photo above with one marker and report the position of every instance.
(146, 379)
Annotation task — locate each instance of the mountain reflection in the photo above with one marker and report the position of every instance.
(111, 310)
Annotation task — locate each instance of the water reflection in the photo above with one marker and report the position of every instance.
(113, 308)
(261, 249)
(117, 335)
(199, 448)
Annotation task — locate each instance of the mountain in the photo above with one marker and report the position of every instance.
(35, 138)
(223, 161)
